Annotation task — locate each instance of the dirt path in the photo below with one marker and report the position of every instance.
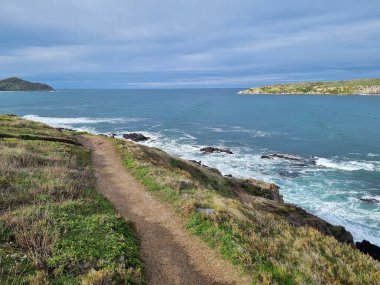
(171, 255)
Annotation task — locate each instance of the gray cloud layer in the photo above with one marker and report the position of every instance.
(156, 43)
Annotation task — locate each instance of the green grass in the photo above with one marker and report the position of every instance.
(256, 238)
(348, 87)
(54, 227)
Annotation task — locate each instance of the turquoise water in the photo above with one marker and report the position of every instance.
(337, 139)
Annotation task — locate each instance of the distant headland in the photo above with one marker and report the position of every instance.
(346, 87)
(18, 84)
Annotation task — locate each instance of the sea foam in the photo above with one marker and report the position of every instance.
(348, 165)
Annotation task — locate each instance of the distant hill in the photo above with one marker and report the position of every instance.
(347, 87)
(17, 84)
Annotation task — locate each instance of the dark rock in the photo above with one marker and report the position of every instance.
(370, 200)
(266, 157)
(369, 248)
(257, 188)
(65, 130)
(300, 164)
(135, 137)
(211, 149)
(284, 156)
(271, 189)
(299, 217)
(212, 169)
(228, 175)
(196, 162)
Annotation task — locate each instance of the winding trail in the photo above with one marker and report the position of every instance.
(171, 255)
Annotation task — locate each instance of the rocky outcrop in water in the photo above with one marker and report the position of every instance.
(370, 200)
(282, 156)
(211, 149)
(136, 137)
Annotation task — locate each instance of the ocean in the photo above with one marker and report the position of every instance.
(329, 146)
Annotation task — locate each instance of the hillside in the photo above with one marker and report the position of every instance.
(348, 87)
(249, 224)
(17, 84)
(54, 227)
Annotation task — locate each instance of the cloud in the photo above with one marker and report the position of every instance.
(193, 41)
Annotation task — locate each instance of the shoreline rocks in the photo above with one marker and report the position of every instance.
(282, 156)
(211, 149)
(368, 248)
(136, 137)
(65, 130)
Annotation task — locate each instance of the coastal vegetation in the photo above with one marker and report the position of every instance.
(247, 222)
(17, 84)
(348, 87)
(54, 227)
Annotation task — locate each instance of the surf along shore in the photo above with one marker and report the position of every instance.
(244, 221)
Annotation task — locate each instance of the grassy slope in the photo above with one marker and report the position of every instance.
(253, 235)
(359, 86)
(54, 227)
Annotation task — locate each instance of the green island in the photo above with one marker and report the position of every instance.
(17, 84)
(345, 87)
(56, 229)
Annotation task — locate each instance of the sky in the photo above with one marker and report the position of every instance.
(188, 44)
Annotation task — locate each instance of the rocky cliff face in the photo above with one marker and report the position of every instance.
(17, 84)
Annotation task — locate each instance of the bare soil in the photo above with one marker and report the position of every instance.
(171, 255)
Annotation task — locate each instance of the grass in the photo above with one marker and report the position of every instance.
(54, 227)
(358, 86)
(250, 235)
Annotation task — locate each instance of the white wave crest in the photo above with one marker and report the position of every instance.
(348, 165)
(57, 122)
(254, 133)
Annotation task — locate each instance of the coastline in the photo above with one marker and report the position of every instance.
(187, 150)
(245, 220)
(146, 143)
(369, 86)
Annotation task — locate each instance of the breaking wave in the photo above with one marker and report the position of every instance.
(348, 165)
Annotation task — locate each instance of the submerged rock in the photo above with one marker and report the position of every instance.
(136, 137)
(370, 200)
(289, 174)
(266, 157)
(368, 248)
(282, 156)
(211, 149)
